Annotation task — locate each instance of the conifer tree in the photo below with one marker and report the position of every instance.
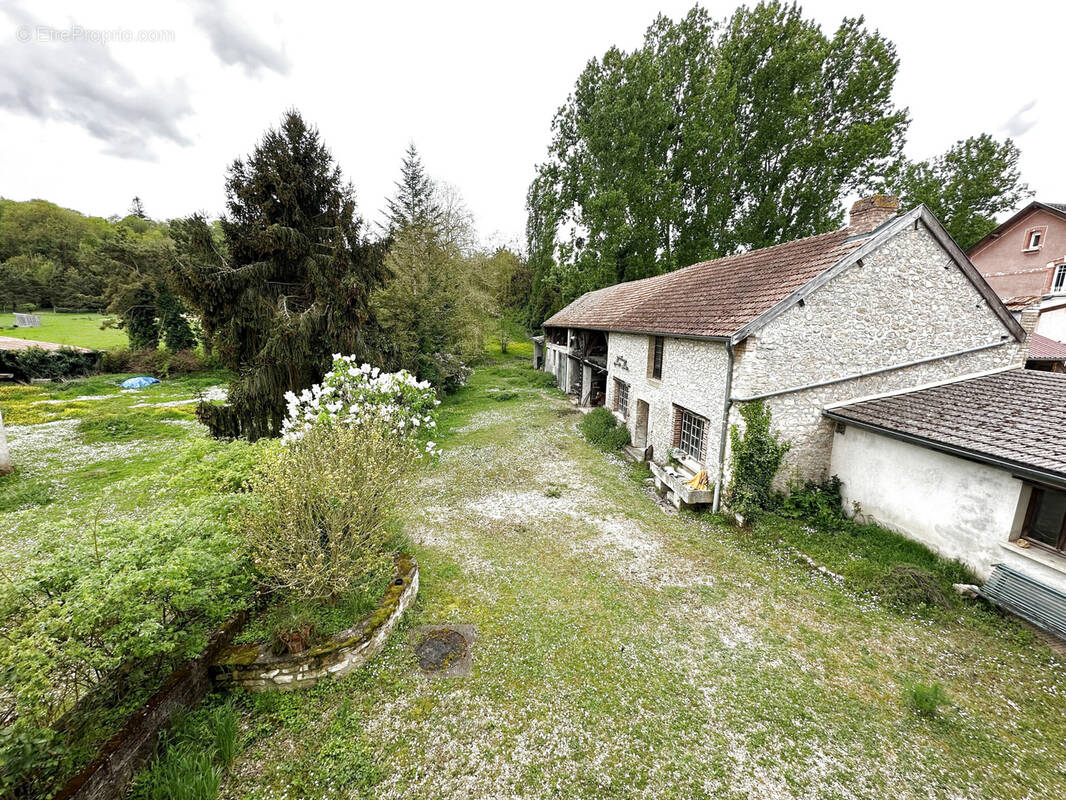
(137, 208)
(415, 200)
(286, 280)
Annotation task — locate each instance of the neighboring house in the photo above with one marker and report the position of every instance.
(887, 303)
(1024, 261)
(974, 468)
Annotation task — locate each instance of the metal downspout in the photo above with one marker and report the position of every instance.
(725, 429)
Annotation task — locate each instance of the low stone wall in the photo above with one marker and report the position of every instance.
(108, 776)
(255, 668)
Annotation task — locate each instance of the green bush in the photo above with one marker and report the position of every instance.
(757, 456)
(156, 362)
(925, 699)
(324, 510)
(603, 430)
(128, 600)
(36, 362)
(819, 503)
(541, 379)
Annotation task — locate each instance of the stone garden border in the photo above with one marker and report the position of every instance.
(255, 668)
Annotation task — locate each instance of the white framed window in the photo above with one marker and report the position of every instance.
(1058, 281)
(621, 398)
(1034, 239)
(691, 434)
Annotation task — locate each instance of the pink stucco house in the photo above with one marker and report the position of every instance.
(1024, 261)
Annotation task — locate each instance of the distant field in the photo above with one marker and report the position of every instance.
(79, 330)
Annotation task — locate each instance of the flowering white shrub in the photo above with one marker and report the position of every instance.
(358, 395)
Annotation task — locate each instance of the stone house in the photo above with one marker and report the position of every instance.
(1024, 261)
(887, 303)
(974, 468)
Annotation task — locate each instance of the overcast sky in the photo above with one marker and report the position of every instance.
(89, 124)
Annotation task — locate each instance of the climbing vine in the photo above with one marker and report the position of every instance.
(757, 456)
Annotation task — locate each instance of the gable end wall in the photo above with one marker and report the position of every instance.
(908, 301)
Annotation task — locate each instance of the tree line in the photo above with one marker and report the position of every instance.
(722, 135)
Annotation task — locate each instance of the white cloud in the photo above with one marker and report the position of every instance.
(235, 44)
(80, 82)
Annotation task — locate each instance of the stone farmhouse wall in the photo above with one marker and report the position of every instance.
(908, 301)
(693, 376)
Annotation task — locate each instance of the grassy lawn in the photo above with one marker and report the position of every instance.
(80, 330)
(622, 651)
(87, 450)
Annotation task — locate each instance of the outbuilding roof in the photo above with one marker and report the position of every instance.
(1044, 349)
(1015, 419)
(729, 297)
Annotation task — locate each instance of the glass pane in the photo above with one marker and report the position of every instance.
(1046, 526)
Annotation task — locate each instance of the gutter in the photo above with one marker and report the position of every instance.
(868, 373)
(1017, 470)
(717, 504)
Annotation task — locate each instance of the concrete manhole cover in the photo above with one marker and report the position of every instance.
(443, 649)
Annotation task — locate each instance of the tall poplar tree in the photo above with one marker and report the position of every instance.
(285, 282)
(712, 137)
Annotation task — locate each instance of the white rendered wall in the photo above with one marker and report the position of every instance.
(961, 509)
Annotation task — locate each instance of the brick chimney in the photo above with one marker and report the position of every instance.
(1029, 317)
(870, 212)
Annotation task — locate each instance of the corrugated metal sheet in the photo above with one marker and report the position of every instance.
(1030, 599)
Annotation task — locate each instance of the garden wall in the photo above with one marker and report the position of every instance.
(255, 668)
(108, 777)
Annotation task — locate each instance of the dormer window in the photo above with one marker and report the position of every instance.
(1058, 283)
(1034, 239)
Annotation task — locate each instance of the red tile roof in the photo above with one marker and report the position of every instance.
(712, 298)
(1017, 416)
(1044, 349)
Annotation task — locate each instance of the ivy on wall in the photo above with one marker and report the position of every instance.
(757, 456)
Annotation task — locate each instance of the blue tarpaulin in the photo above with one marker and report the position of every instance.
(137, 383)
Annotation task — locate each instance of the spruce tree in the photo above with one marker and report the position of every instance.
(415, 201)
(286, 283)
(137, 208)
